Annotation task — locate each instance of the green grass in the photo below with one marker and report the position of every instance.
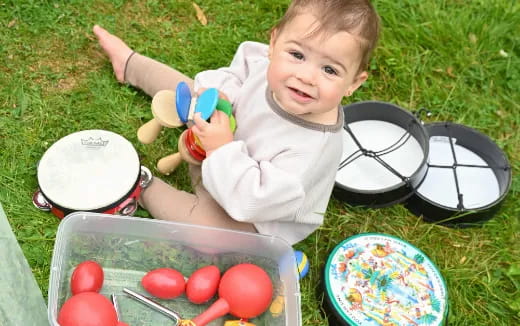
(459, 59)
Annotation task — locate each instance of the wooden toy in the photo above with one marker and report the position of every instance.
(163, 116)
(174, 109)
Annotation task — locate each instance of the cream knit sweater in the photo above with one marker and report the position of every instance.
(279, 171)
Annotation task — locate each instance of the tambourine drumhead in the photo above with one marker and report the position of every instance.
(377, 279)
(385, 150)
(470, 174)
(88, 170)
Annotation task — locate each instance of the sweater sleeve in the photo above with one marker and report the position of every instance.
(229, 80)
(252, 191)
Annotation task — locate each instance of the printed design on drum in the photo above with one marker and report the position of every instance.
(94, 143)
(377, 281)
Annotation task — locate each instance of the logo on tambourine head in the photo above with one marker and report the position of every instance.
(96, 143)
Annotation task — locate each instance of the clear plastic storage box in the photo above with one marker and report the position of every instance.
(128, 247)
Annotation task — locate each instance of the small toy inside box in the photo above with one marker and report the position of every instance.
(129, 247)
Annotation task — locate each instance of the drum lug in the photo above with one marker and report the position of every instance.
(146, 177)
(421, 111)
(40, 202)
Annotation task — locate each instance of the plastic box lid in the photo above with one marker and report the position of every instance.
(128, 247)
(21, 302)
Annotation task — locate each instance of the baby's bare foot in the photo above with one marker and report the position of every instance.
(116, 49)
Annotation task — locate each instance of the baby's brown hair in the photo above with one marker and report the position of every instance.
(357, 17)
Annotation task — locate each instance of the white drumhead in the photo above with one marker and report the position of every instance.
(479, 186)
(365, 173)
(88, 170)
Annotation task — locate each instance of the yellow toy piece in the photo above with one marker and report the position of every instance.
(238, 323)
(277, 306)
(186, 322)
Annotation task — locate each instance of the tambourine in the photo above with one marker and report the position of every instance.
(90, 170)
(376, 279)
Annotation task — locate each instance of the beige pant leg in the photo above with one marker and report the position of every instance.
(165, 202)
(152, 76)
(160, 199)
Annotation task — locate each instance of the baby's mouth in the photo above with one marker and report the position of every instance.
(300, 93)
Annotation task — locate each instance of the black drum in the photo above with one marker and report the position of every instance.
(385, 151)
(468, 177)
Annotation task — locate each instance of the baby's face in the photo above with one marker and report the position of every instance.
(309, 75)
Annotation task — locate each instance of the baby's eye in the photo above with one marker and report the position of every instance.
(297, 55)
(329, 70)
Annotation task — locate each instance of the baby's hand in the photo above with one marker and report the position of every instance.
(212, 134)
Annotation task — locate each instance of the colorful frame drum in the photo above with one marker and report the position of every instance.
(376, 279)
(468, 177)
(385, 151)
(90, 170)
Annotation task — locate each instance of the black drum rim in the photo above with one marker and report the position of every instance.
(476, 215)
(403, 189)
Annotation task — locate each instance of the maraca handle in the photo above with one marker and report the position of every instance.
(218, 309)
(169, 163)
(148, 132)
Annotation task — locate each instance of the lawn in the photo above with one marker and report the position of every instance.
(458, 59)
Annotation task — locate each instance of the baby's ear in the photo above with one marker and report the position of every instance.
(358, 81)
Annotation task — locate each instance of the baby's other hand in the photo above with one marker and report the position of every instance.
(212, 134)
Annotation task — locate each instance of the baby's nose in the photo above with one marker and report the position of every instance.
(307, 75)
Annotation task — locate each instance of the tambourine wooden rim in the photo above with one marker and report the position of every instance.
(480, 144)
(386, 196)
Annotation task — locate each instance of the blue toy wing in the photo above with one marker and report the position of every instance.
(206, 103)
(183, 101)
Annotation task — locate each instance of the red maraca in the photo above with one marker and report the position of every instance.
(87, 309)
(245, 291)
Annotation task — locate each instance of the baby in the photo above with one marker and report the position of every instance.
(275, 174)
